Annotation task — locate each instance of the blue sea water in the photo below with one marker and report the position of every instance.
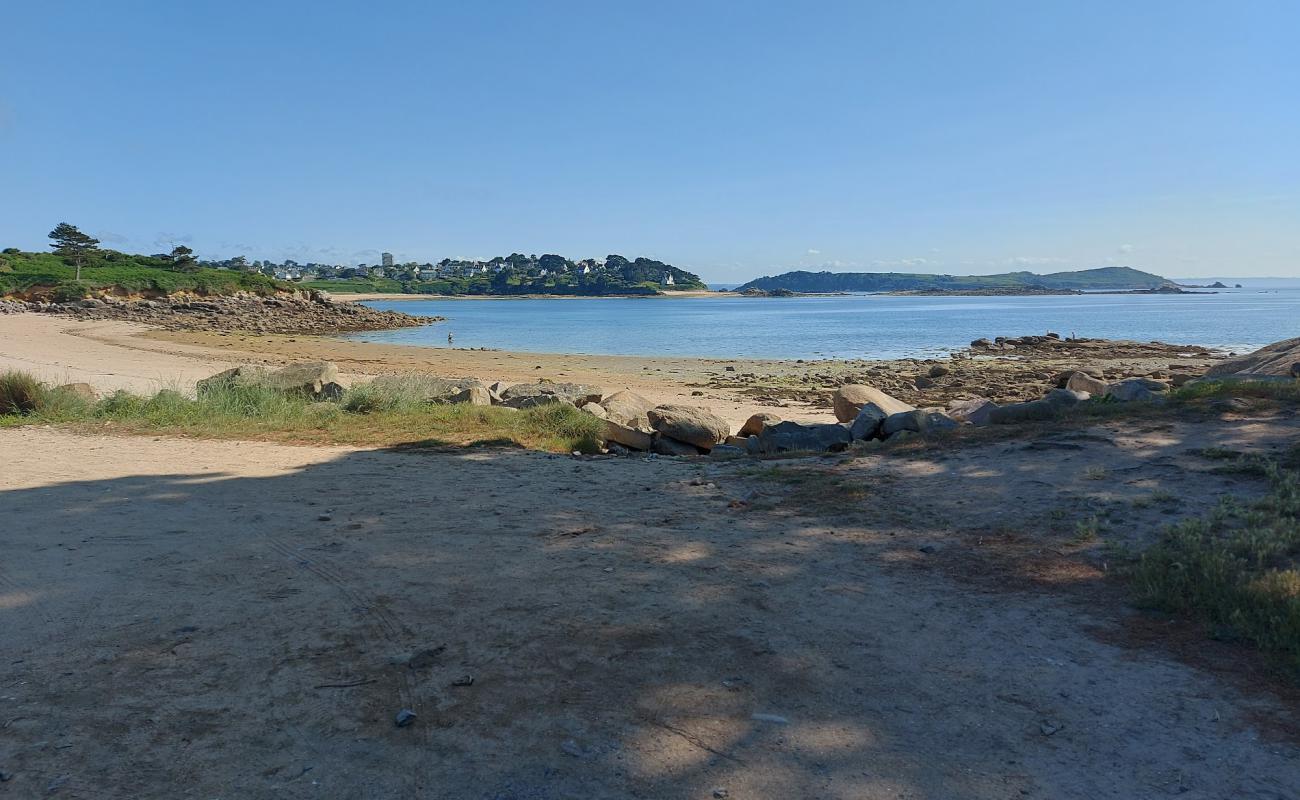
(851, 326)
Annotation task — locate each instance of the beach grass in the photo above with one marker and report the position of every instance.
(365, 416)
(1237, 569)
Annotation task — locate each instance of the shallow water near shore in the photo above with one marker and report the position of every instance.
(840, 327)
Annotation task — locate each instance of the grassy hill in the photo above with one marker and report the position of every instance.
(49, 275)
(1101, 279)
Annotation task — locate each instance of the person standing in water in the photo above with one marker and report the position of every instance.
(450, 338)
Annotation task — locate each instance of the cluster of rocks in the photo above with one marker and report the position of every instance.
(1052, 344)
(11, 306)
(287, 312)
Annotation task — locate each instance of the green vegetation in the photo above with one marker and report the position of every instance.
(366, 415)
(520, 275)
(1104, 278)
(1238, 569)
(51, 275)
(20, 393)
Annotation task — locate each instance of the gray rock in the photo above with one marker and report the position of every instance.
(791, 437)
(1278, 360)
(727, 451)
(867, 424)
(594, 409)
(1054, 405)
(976, 410)
(667, 446)
(627, 408)
(528, 395)
(404, 717)
(689, 424)
(1066, 397)
(1138, 390)
(917, 421)
(756, 423)
(425, 388)
(938, 371)
(628, 437)
(1080, 382)
(307, 378)
(848, 401)
(922, 382)
(473, 395)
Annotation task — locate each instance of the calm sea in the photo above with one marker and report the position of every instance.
(854, 326)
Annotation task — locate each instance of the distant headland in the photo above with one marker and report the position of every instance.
(1100, 279)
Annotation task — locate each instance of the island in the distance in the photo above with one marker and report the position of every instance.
(1106, 279)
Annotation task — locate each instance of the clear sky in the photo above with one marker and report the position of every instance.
(731, 139)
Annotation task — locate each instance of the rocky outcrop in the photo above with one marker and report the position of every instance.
(289, 312)
(689, 424)
(1280, 360)
(848, 401)
(528, 395)
(317, 380)
(797, 437)
(917, 421)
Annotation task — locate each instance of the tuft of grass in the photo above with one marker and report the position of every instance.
(1087, 530)
(1238, 569)
(262, 413)
(20, 393)
(1095, 474)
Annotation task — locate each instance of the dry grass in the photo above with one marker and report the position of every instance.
(258, 413)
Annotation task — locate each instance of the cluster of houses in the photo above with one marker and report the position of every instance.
(526, 266)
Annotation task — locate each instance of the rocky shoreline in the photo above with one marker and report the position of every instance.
(1002, 369)
(309, 312)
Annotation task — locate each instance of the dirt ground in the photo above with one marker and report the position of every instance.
(244, 620)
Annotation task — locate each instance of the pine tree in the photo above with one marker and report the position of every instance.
(70, 242)
(182, 259)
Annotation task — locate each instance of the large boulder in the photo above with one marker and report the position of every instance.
(238, 376)
(627, 408)
(689, 424)
(1277, 361)
(1054, 405)
(756, 423)
(528, 395)
(1081, 382)
(425, 388)
(1138, 389)
(628, 437)
(848, 401)
(473, 395)
(975, 410)
(310, 378)
(917, 421)
(796, 437)
(867, 423)
(316, 380)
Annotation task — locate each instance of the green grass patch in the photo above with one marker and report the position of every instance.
(1238, 569)
(111, 270)
(260, 413)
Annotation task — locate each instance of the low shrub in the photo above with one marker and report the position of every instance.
(20, 393)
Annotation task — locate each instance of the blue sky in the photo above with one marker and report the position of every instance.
(730, 139)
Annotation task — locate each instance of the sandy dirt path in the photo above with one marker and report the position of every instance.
(223, 619)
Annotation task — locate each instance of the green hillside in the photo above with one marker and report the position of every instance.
(1101, 279)
(50, 275)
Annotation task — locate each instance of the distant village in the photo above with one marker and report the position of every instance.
(517, 265)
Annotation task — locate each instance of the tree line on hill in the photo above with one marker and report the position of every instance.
(503, 275)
